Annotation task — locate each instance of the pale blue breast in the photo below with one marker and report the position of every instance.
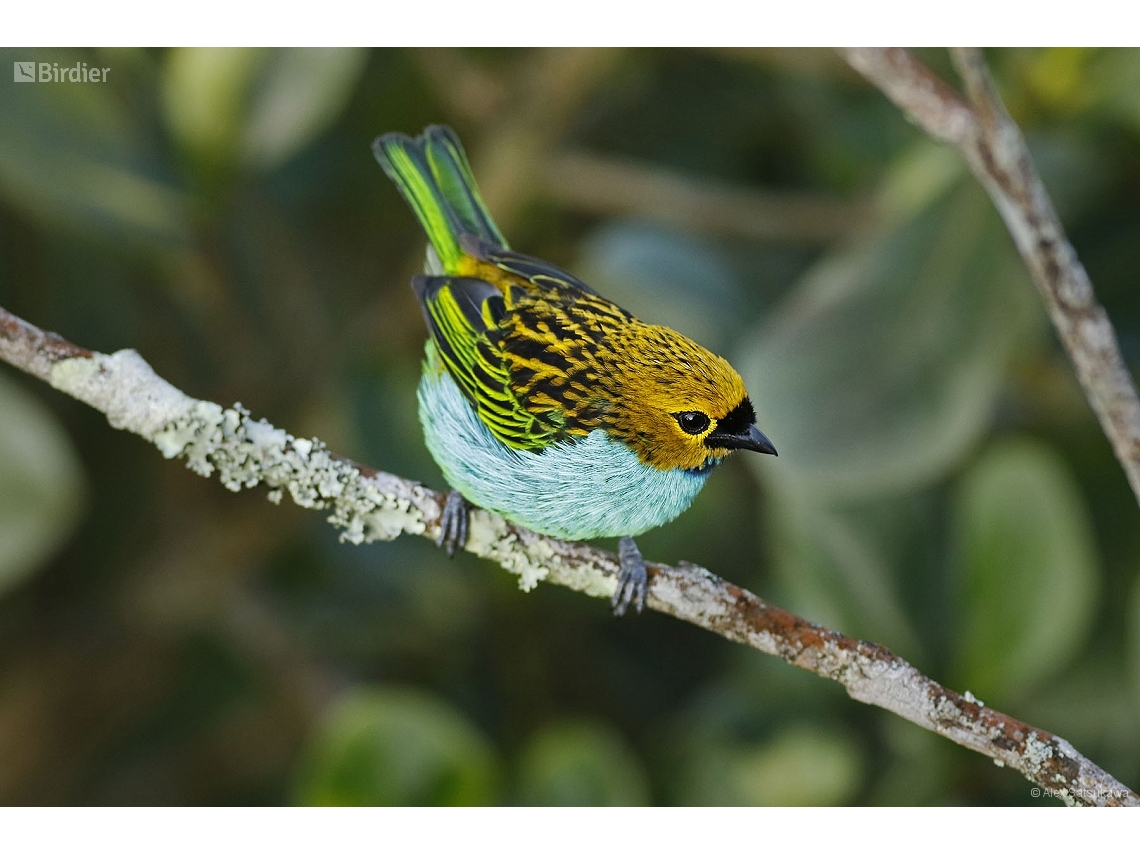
(592, 487)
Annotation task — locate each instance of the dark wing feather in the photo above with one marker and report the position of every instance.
(541, 274)
(470, 295)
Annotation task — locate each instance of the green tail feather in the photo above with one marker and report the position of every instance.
(432, 174)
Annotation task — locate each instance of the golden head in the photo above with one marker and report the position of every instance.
(678, 405)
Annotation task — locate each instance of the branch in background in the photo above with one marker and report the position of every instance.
(607, 186)
(370, 505)
(463, 86)
(995, 149)
(804, 63)
(547, 90)
(524, 120)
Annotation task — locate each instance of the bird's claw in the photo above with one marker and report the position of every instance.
(453, 523)
(633, 581)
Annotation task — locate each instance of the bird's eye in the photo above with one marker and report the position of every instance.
(693, 422)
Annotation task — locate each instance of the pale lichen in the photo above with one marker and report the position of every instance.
(366, 514)
(691, 597)
(489, 536)
(764, 641)
(243, 452)
(1037, 753)
(586, 579)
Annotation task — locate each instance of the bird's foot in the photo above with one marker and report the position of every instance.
(633, 581)
(453, 523)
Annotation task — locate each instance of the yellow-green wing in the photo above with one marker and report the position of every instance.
(463, 316)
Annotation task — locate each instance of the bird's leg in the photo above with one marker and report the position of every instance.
(633, 581)
(453, 523)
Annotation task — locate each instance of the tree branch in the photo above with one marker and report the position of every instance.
(611, 186)
(369, 505)
(995, 149)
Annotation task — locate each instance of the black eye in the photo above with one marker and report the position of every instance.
(692, 422)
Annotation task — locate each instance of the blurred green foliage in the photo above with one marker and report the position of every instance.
(580, 763)
(942, 486)
(397, 747)
(1028, 568)
(41, 484)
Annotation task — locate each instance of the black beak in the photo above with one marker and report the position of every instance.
(750, 440)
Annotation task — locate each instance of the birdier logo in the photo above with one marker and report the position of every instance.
(50, 72)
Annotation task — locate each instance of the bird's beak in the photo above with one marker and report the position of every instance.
(749, 440)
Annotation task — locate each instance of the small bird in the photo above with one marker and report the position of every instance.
(540, 399)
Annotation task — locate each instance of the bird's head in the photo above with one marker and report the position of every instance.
(678, 405)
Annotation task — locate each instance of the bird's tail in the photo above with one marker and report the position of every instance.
(432, 174)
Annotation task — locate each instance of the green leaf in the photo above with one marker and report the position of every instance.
(41, 484)
(1095, 706)
(1028, 569)
(882, 369)
(874, 379)
(1057, 76)
(914, 765)
(397, 746)
(580, 763)
(1113, 84)
(255, 105)
(800, 766)
(301, 93)
(837, 570)
(918, 179)
(205, 96)
(1133, 648)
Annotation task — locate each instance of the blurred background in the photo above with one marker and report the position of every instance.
(942, 486)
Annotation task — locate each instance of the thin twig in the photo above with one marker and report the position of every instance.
(370, 505)
(465, 88)
(547, 91)
(609, 186)
(995, 149)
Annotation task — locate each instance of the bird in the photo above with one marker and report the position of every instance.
(541, 400)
